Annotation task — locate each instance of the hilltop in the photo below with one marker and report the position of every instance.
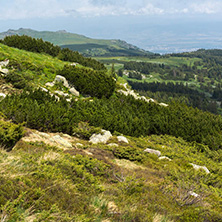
(86, 46)
(79, 145)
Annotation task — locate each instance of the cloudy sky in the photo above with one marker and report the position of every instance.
(23, 9)
(126, 19)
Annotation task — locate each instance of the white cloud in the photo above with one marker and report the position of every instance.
(207, 7)
(22, 9)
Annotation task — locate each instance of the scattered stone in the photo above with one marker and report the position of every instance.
(4, 63)
(61, 141)
(4, 71)
(101, 137)
(122, 139)
(74, 92)
(61, 93)
(44, 89)
(156, 152)
(61, 79)
(49, 84)
(113, 144)
(74, 64)
(79, 144)
(164, 158)
(197, 167)
(2, 95)
(193, 194)
(163, 104)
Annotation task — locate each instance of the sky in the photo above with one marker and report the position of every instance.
(150, 24)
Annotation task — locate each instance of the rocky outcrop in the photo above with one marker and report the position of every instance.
(49, 84)
(4, 71)
(61, 93)
(128, 92)
(156, 152)
(60, 140)
(4, 64)
(197, 167)
(2, 95)
(61, 79)
(164, 158)
(122, 139)
(102, 137)
(113, 145)
(74, 92)
(63, 142)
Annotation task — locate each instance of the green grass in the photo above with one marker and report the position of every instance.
(43, 67)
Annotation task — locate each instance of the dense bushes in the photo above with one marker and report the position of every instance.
(9, 134)
(38, 45)
(89, 82)
(119, 113)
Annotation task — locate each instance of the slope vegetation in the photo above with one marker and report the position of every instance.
(161, 163)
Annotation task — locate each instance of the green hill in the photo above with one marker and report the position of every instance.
(83, 44)
(145, 170)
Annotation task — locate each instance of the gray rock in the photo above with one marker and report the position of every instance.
(3, 95)
(79, 144)
(101, 137)
(61, 79)
(74, 64)
(4, 71)
(49, 84)
(113, 144)
(74, 92)
(61, 93)
(164, 158)
(122, 139)
(156, 152)
(4, 63)
(197, 167)
(193, 194)
(58, 139)
(44, 89)
(163, 104)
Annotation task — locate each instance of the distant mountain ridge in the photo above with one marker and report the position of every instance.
(86, 46)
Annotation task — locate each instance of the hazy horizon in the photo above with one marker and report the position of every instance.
(163, 27)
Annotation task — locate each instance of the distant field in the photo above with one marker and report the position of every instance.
(171, 61)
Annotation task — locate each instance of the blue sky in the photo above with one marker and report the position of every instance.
(150, 24)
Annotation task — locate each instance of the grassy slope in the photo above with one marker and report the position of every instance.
(39, 182)
(43, 66)
(98, 183)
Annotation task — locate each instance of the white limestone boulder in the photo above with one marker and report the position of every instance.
(152, 151)
(197, 167)
(73, 91)
(102, 137)
(61, 79)
(122, 139)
